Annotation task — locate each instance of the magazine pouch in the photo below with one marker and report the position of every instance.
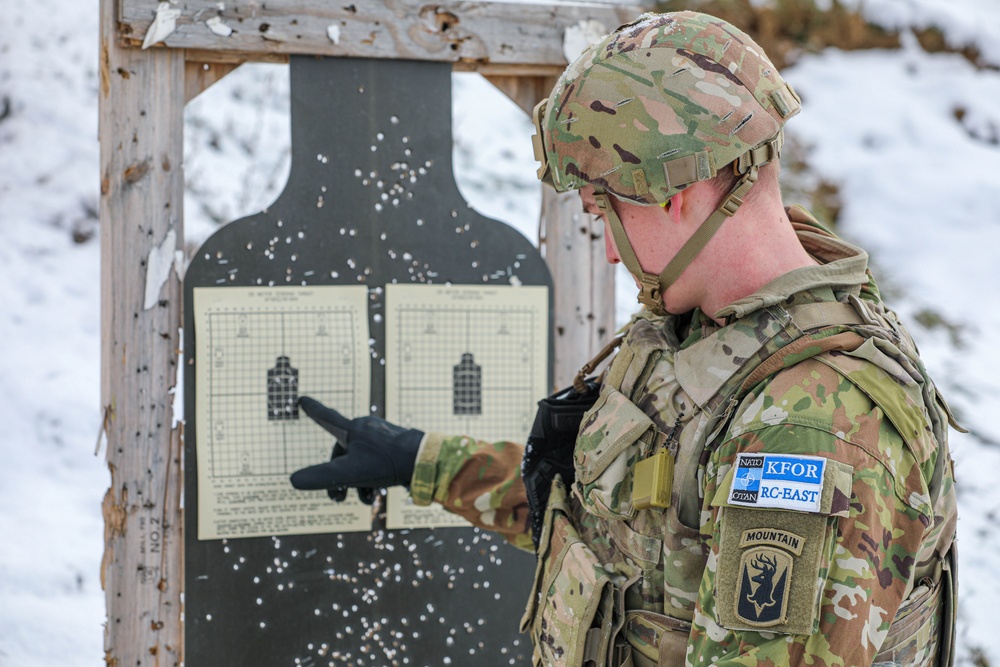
(571, 595)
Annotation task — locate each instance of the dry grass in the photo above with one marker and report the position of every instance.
(979, 658)
(932, 320)
(801, 185)
(788, 28)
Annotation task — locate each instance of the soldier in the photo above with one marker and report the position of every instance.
(764, 478)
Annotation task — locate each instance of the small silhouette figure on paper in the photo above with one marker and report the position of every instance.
(282, 391)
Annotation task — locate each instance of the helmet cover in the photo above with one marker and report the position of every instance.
(659, 104)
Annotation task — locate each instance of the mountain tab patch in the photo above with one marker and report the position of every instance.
(774, 537)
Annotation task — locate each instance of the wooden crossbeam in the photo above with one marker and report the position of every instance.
(501, 38)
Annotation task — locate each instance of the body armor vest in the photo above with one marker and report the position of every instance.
(616, 584)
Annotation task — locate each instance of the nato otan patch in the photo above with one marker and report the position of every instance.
(779, 481)
(765, 580)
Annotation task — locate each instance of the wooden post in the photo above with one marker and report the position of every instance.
(142, 190)
(573, 244)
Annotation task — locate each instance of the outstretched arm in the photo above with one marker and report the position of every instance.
(478, 480)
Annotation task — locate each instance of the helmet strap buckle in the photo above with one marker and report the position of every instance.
(649, 293)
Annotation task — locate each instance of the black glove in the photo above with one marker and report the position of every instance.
(370, 453)
(549, 450)
(339, 493)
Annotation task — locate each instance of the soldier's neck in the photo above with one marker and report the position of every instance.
(754, 247)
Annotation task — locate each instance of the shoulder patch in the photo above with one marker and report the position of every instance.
(765, 580)
(778, 481)
(770, 566)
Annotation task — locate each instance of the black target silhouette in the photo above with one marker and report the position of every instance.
(371, 139)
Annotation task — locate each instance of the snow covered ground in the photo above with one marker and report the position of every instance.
(912, 139)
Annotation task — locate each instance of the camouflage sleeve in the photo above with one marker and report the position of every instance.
(478, 480)
(820, 585)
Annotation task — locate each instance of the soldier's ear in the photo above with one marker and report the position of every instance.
(688, 206)
(674, 207)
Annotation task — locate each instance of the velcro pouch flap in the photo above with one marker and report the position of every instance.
(611, 440)
(609, 428)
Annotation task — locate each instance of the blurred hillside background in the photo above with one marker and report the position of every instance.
(898, 146)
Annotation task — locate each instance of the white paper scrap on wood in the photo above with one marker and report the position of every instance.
(164, 23)
(219, 27)
(579, 37)
(160, 260)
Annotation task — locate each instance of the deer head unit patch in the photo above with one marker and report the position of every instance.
(765, 579)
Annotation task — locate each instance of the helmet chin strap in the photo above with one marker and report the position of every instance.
(694, 245)
(652, 287)
(650, 294)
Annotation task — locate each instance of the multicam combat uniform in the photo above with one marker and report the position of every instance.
(812, 498)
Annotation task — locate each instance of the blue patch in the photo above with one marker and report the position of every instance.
(746, 481)
(782, 481)
(802, 469)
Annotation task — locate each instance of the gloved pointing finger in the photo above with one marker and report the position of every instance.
(370, 453)
(332, 421)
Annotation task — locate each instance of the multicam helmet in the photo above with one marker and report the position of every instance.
(659, 104)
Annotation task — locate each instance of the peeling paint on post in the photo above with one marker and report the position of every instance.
(158, 264)
(141, 136)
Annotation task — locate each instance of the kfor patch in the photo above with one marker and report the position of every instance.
(779, 481)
